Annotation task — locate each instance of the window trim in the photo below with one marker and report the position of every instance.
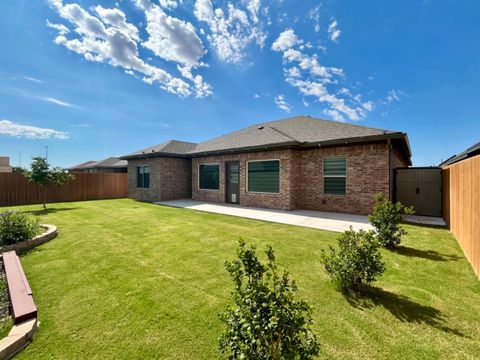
(335, 176)
(264, 192)
(219, 176)
(139, 166)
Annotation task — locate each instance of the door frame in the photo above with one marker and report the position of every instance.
(227, 178)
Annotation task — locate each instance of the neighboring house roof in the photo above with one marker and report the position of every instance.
(298, 131)
(83, 165)
(111, 162)
(471, 151)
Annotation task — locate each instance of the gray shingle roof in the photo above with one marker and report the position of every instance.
(111, 162)
(294, 131)
(471, 151)
(172, 147)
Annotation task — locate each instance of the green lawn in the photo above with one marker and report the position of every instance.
(130, 280)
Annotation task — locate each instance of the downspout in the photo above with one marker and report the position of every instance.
(390, 170)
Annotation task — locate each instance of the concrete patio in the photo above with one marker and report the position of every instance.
(308, 218)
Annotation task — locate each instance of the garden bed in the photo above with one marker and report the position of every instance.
(49, 234)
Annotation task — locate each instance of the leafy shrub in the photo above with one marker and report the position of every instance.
(267, 322)
(386, 218)
(16, 226)
(357, 261)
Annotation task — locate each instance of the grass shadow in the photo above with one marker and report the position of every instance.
(48, 211)
(425, 254)
(400, 306)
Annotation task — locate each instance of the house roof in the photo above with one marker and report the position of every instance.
(471, 151)
(111, 162)
(172, 147)
(298, 131)
(84, 165)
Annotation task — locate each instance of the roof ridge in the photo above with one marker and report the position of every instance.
(284, 134)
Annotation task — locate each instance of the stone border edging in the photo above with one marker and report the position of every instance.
(50, 233)
(21, 334)
(18, 338)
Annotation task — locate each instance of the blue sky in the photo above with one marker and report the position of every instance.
(92, 79)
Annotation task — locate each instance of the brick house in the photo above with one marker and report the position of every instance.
(295, 163)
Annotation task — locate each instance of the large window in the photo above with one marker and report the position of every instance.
(264, 176)
(143, 176)
(209, 177)
(335, 176)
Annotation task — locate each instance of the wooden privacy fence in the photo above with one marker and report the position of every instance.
(16, 190)
(461, 204)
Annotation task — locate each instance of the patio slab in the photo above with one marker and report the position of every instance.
(331, 221)
(425, 220)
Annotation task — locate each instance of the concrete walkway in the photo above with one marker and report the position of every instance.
(307, 218)
(425, 220)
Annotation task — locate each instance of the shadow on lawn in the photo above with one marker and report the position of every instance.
(48, 211)
(401, 307)
(425, 254)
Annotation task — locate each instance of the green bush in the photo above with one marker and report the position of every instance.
(266, 322)
(16, 226)
(357, 261)
(386, 218)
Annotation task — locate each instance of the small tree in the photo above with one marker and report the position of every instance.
(386, 218)
(357, 261)
(42, 174)
(267, 322)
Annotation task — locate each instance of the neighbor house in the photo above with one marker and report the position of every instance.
(5, 165)
(109, 165)
(295, 163)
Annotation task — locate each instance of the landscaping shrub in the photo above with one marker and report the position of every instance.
(386, 218)
(357, 261)
(16, 226)
(266, 322)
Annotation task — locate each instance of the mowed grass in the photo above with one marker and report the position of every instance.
(129, 280)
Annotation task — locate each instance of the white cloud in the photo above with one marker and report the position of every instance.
(10, 128)
(38, 81)
(109, 38)
(394, 95)
(304, 71)
(256, 96)
(231, 29)
(281, 103)
(333, 31)
(172, 39)
(286, 40)
(62, 29)
(55, 101)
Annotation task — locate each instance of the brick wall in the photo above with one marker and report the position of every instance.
(282, 200)
(367, 174)
(170, 178)
(301, 179)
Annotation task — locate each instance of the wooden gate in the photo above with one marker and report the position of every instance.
(420, 188)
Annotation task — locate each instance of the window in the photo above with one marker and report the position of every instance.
(335, 176)
(209, 177)
(264, 176)
(143, 176)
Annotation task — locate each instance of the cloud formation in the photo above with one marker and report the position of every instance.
(281, 103)
(106, 36)
(10, 128)
(333, 31)
(305, 72)
(232, 29)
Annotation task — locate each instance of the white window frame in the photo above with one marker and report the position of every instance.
(334, 176)
(219, 176)
(149, 181)
(279, 178)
